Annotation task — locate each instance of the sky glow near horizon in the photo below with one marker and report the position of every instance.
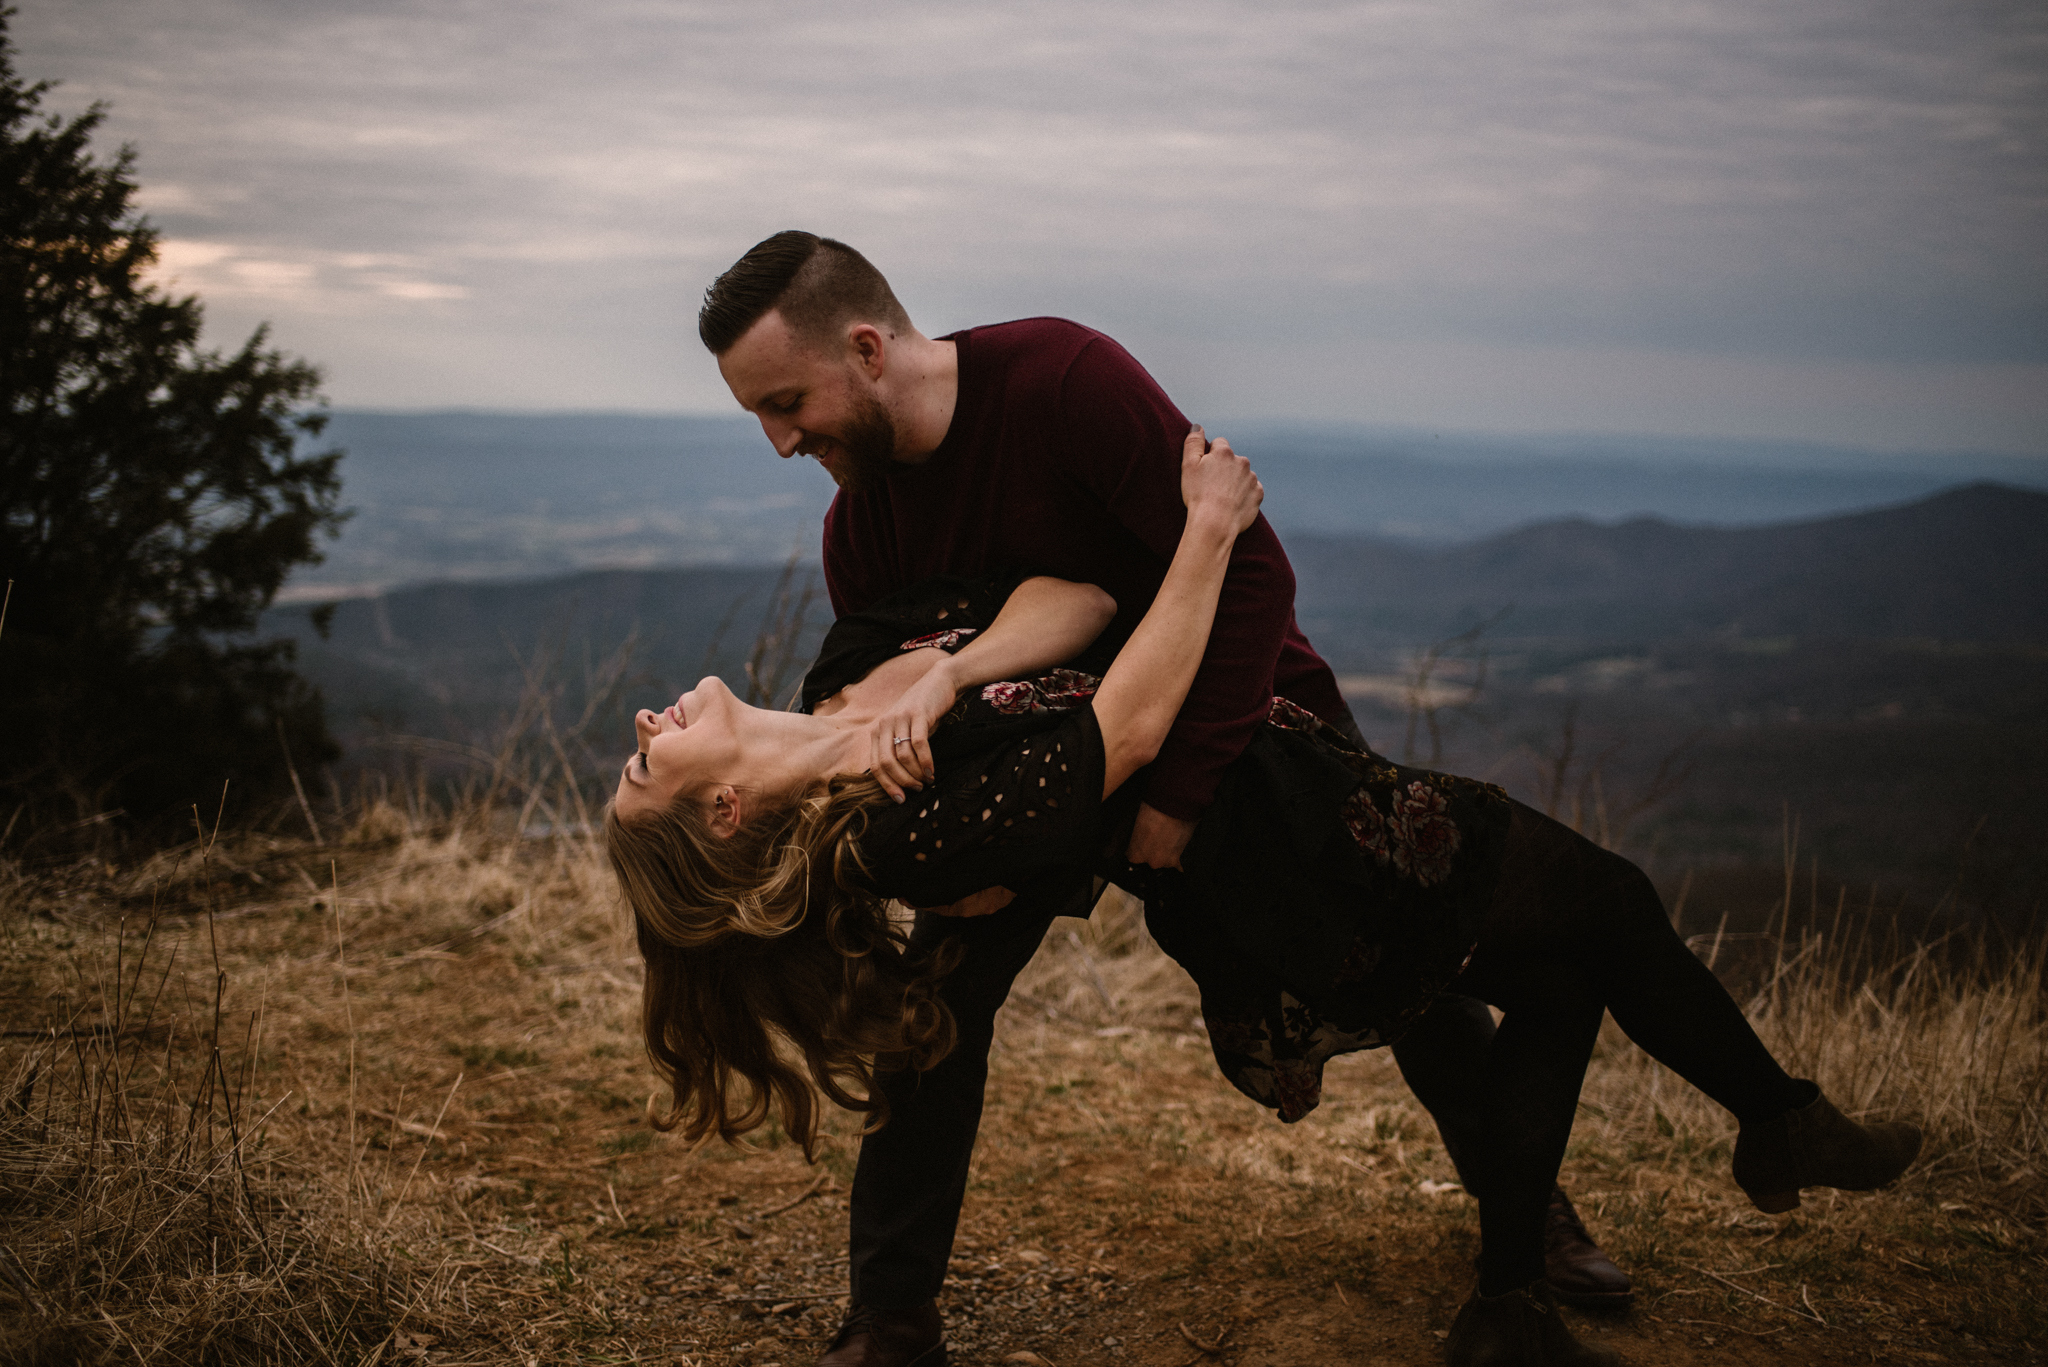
(1823, 222)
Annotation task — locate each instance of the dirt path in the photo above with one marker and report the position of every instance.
(451, 1084)
(1127, 1207)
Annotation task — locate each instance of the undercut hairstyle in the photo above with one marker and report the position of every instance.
(820, 287)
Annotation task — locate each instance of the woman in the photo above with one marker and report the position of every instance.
(1328, 895)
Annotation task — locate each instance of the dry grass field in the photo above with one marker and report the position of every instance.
(380, 1101)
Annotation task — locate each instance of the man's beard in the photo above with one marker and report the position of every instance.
(867, 447)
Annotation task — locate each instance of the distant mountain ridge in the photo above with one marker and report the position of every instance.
(1967, 564)
(494, 496)
(1794, 660)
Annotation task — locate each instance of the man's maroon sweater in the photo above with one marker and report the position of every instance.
(1063, 458)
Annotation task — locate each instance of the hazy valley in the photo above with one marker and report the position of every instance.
(1877, 677)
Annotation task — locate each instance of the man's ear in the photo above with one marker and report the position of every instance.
(868, 349)
(728, 810)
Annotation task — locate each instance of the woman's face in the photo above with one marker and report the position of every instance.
(693, 743)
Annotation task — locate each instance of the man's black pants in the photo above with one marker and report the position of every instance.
(912, 1176)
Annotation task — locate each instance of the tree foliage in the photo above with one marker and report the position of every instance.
(152, 500)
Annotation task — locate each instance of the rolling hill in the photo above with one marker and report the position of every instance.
(1967, 565)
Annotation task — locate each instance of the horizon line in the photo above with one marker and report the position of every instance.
(1671, 442)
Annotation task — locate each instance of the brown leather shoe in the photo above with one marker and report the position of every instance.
(1574, 1265)
(869, 1337)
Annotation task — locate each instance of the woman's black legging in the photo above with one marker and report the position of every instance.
(1575, 930)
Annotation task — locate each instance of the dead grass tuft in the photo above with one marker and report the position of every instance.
(1958, 1044)
(266, 1101)
(134, 1220)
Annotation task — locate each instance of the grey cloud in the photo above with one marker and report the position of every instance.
(1827, 182)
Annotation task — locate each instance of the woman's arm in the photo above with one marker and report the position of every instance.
(1143, 691)
(1043, 623)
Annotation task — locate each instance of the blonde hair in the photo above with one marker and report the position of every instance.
(774, 972)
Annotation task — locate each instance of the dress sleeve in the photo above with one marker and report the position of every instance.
(1008, 814)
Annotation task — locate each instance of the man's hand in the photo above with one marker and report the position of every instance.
(1157, 839)
(984, 903)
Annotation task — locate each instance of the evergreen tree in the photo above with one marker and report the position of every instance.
(152, 500)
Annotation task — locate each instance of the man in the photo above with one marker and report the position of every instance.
(1036, 444)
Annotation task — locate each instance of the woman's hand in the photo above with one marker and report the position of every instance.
(899, 741)
(1216, 482)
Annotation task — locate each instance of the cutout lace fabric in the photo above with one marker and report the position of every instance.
(1003, 814)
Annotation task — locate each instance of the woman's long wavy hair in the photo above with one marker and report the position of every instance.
(773, 972)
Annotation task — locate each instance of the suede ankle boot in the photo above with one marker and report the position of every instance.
(1518, 1329)
(889, 1338)
(1815, 1145)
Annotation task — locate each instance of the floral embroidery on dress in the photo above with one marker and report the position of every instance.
(1009, 698)
(1289, 716)
(1297, 1087)
(1425, 840)
(1360, 959)
(1058, 691)
(1278, 1061)
(942, 640)
(1367, 826)
(1384, 972)
(1068, 687)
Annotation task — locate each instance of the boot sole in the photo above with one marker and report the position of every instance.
(1775, 1202)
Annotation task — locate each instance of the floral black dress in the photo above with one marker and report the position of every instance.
(1329, 894)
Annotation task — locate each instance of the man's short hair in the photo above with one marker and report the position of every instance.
(819, 286)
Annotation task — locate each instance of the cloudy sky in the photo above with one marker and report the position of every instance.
(1824, 220)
